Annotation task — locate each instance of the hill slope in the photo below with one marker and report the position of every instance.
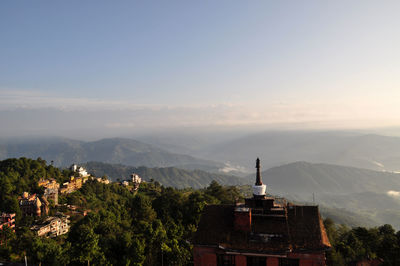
(307, 178)
(64, 152)
(168, 176)
(360, 191)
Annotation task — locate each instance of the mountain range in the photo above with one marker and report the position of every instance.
(372, 195)
(275, 148)
(64, 152)
(233, 154)
(332, 176)
(167, 176)
(303, 178)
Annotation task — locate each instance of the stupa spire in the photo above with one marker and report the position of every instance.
(258, 176)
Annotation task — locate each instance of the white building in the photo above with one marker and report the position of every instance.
(53, 226)
(136, 180)
(80, 170)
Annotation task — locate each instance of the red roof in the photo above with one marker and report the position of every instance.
(292, 228)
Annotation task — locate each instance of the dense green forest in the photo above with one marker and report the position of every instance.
(358, 243)
(152, 226)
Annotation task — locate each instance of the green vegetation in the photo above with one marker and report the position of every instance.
(360, 243)
(155, 224)
(19, 175)
(122, 228)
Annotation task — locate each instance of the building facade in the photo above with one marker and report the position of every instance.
(52, 226)
(261, 231)
(51, 189)
(51, 194)
(31, 205)
(136, 180)
(79, 170)
(74, 184)
(48, 183)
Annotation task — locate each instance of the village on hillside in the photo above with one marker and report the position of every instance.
(39, 205)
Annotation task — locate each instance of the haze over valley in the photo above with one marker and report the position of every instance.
(339, 170)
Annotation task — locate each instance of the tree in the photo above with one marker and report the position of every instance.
(6, 235)
(86, 248)
(45, 250)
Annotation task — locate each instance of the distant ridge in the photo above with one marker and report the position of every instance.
(64, 152)
(339, 190)
(305, 178)
(342, 148)
(167, 176)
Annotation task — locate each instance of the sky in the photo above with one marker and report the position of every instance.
(114, 67)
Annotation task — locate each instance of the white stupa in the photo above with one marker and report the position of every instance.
(259, 190)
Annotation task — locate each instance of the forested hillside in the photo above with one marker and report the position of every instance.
(19, 175)
(167, 176)
(152, 226)
(122, 227)
(360, 243)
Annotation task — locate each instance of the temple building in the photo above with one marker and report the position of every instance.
(79, 170)
(262, 231)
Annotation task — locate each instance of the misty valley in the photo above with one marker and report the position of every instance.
(351, 177)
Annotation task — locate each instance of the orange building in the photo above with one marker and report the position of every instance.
(48, 183)
(74, 184)
(262, 231)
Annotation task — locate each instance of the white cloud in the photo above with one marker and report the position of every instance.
(393, 193)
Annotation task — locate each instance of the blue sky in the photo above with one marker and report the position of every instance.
(334, 64)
